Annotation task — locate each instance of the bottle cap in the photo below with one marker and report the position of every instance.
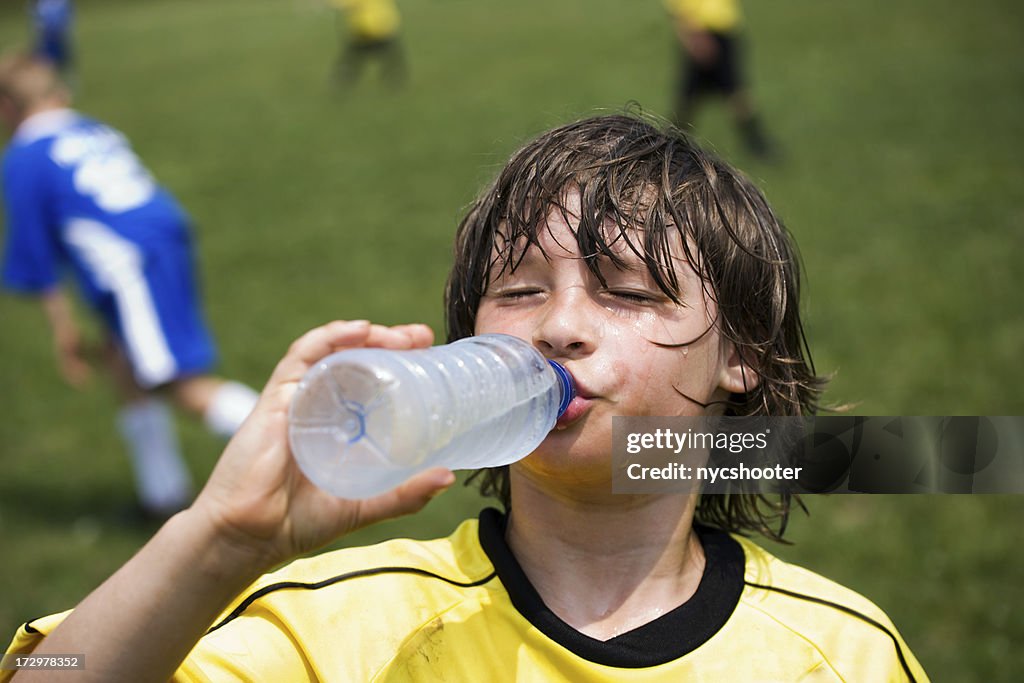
(568, 388)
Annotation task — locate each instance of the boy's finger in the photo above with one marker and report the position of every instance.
(317, 343)
(398, 337)
(421, 335)
(406, 498)
(338, 335)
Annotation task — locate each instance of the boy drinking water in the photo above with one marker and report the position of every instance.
(660, 278)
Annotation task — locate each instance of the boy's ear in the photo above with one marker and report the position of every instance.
(737, 373)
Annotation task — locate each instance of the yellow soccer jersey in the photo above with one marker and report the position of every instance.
(461, 609)
(370, 19)
(721, 16)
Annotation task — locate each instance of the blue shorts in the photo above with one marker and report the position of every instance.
(149, 300)
(56, 49)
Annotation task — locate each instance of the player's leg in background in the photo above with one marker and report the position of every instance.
(733, 84)
(222, 404)
(146, 423)
(349, 63)
(165, 349)
(687, 91)
(347, 66)
(749, 126)
(394, 64)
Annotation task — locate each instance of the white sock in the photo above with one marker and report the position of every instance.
(230, 405)
(161, 477)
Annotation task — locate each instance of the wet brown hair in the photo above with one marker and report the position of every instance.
(654, 185)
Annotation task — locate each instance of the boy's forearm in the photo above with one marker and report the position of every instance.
(56, 305)
(141, 623)
(67, 340)
(58, 311)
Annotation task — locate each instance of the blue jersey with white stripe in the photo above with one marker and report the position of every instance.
(64, 171)
(77, 197)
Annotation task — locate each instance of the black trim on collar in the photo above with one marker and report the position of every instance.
(667, 638)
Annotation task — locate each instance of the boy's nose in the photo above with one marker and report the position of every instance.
(567, 326)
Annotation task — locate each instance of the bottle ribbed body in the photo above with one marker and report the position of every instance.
(364, 420)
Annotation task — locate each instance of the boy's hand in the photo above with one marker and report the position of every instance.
(71, 353)
(72, 358)
(257, 500)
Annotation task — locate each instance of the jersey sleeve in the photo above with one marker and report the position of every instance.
(28, 638)
(266, 653)
(853, 638)
(31, 253)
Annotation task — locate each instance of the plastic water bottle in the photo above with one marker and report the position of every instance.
(364, 420)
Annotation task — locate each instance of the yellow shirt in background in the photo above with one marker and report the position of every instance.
(721, 16)
(370, 19)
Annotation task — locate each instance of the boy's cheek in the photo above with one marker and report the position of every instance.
(491, 318)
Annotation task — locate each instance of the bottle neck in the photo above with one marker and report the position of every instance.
(565, 384)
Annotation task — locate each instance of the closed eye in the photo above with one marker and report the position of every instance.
(633, 296)
(515, 294)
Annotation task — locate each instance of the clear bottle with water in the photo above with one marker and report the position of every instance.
(364, 420)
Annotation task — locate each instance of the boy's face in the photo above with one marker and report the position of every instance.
(603, 335)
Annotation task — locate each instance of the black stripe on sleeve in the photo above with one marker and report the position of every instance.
(847, 610)
(285, 585)
(29, 628)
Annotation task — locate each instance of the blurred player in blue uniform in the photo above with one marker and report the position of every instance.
(53, 20)
(77, 199)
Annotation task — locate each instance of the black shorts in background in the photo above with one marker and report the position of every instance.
(722, 75)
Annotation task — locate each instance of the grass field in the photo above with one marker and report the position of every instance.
(901, 125)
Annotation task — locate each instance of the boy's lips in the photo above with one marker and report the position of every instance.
(577, 407)
(579, 404)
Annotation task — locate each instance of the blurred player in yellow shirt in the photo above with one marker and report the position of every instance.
(711, 41)
(370, 31)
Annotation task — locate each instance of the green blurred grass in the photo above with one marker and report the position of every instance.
(901, 126)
